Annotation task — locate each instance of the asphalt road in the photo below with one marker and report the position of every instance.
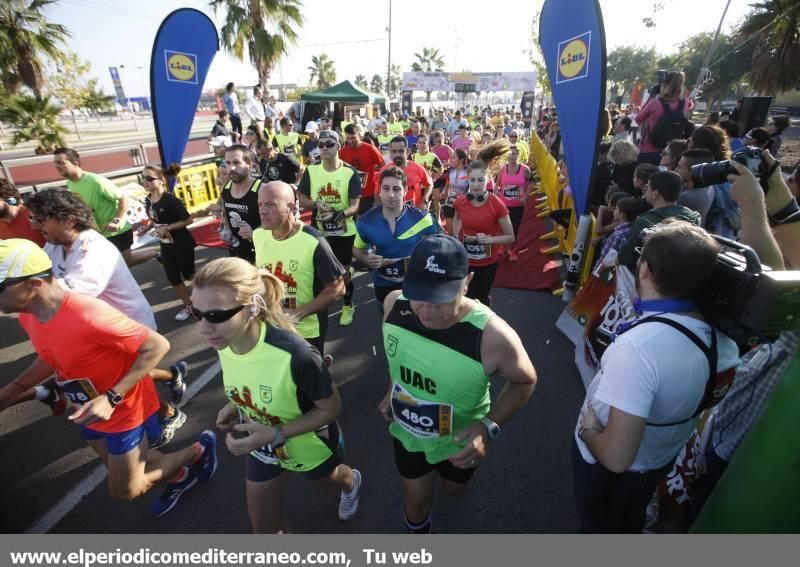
(524, 486)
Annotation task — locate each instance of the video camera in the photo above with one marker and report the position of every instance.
(662, 76)
(714, 173)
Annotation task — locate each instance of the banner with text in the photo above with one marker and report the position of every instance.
(572, 38)
(184, 47)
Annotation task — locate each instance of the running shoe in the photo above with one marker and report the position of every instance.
(177, 386)
(54, 397)
(169, 425)
(166, 500)
(348, 501)
(347, 315)
(184, 313)
(207, 465)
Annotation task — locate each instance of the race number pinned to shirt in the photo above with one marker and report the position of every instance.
(288, 150)
(420, 418)
(332, 227)
(78, 391)
(477, 250)
(362, 175)
(511, 192)
(394, 270)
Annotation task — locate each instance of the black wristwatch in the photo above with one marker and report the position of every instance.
(114, 398)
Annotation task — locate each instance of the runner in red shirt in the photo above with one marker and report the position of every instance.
(14, 217)
(419, 182)
(102, 360)
(367, 160)
(482, 223)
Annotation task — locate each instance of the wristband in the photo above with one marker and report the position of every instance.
(788, 214)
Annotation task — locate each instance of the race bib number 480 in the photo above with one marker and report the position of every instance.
(420, 418)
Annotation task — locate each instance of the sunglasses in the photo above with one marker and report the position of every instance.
(149, 178)
(328, 145)
(13, 281)
(216, 316)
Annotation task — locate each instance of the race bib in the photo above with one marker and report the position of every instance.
(78, 391)
(420, 418)
(332, 228)
(288, 150)
(511, 192)
(268, 457)
(362, 175)
(477, 250)
(451, 198)
(394, 272)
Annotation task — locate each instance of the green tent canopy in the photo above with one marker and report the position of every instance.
(343, 92)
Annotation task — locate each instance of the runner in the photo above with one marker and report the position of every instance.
(287, 140)
(384, 139)
(430, 161)
(367, 160)
(333, 188)
(239, 201)
(419, 184)
(310, 151)
(108, 205)
(442, 348)
(522, 147)
(288, 415)
(386, 235)
(482, 223)
(457, 184)
(275, 166)
(301, 258)
(102, 360)
(512, 188)
(84, 262)
(170, 224)
(14, 218)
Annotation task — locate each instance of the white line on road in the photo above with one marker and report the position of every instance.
(81, 490)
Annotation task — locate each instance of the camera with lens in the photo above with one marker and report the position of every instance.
(717, 172)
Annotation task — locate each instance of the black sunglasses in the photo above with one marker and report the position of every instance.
(12, 281)
(216, 315)
(149, 178)
(326, 145)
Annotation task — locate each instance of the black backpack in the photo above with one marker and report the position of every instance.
(673, 125)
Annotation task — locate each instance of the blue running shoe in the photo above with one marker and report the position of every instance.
(207, 465)
(166, 500)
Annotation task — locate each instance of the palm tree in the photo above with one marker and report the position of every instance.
(774, 26)
(361, 82)
(34, 119)
(322, 70)
(428, 61)
(376, 84)
(95, 99)
(25, 36)
(246, 24)
(394, 82)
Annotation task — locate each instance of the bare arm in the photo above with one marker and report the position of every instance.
(332, 292)
(616, 445)
(37, 372)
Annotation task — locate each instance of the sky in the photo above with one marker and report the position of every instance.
(469, 34)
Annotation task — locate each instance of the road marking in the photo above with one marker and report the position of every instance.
(54, 515)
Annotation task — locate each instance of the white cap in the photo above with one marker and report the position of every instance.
(219, 141)
(312, 126)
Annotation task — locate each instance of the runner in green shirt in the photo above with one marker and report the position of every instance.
(442, 347)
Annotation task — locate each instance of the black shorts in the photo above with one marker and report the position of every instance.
(414, 465)
(342, 247)
(259, 471)
(178, 259)
(123, 241)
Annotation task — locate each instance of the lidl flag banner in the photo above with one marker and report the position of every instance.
(573, 42)
(184, 47)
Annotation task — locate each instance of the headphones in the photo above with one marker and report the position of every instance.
(480, 198)
(11, 201)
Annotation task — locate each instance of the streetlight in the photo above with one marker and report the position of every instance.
(133, 109)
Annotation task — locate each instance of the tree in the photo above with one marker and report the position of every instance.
(245, 27)
(536, 56)
(322, 70)
(773, 26)
(26, 36)
(630, 64)
(428, 61)
(376, 84)
(95, 100)
(395, 81)
(361, 82)
(34, 118)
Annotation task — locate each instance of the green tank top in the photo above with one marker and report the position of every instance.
(425, 161)
(264, 385)
(292, 262)
(287, 143)
(383, 142)
(438, 383)
(332, 187)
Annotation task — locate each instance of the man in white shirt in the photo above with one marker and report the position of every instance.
(254, 109)
(270, 110)
(654, 379)
(85, 262)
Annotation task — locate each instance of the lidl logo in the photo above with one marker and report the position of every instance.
(181, 67)
(573, 58)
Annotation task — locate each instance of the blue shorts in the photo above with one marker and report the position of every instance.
(125, 441)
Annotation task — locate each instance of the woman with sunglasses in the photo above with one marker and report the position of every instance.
(283, 404)
(170, 221)
(482, 223)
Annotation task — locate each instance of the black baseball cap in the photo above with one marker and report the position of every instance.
(436, 270)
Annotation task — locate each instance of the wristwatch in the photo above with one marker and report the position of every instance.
(279, 440)
(114, 398)
(491, 427)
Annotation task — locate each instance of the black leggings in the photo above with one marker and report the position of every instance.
(482, 281)
(515, 213)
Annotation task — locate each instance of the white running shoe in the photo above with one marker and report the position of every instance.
(348, 502)
(184, 313)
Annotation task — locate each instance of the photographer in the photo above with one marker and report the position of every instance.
(642, 405)
(761, 369)
(660, 118)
